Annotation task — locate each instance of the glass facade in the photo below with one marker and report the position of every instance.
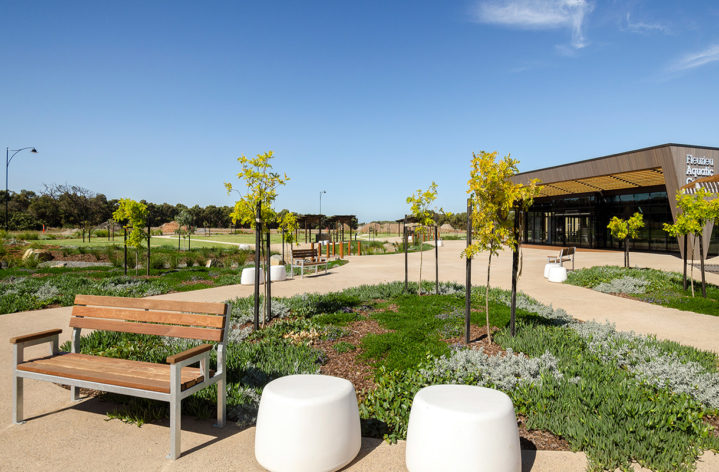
(581, 220)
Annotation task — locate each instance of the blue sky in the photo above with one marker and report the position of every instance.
(366, 100)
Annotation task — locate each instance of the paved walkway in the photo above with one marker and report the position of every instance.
(62, 435)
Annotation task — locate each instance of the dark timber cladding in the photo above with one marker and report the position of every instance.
(577, 199)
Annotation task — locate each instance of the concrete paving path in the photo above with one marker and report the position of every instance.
(62, 435)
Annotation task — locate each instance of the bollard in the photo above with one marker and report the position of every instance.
(359, 248)
(328, 250)
(342, 250)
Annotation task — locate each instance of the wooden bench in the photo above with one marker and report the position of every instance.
(565, 254)
(171, 382)
(307, 258)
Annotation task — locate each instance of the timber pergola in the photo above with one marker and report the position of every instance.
(306, 222)
(341, 220)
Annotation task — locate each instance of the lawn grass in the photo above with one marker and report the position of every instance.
(649, 285)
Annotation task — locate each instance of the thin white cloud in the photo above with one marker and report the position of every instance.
(538, 14)
(644, 27)
(697, 59)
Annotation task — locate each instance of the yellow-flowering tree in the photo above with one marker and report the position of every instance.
(494, 196)
(697, 210)
(420, 203)
(288, 223)
(133, 215)
(624, 230)
(261, 184)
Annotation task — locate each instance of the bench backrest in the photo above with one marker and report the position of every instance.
(190, 320)
(304, 253)
(568, 251)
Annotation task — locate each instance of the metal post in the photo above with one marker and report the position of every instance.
(515, 267)
(468, 281)
(268, 281)
(685, 261)
(283, 245)
(406, 280)
(125, 242)
(7, 193)
(436, 262)
(258, 247)
(148, 244)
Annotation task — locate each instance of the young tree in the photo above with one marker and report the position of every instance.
(697, 211)
(288, 224)
(134, 215)
(624, 230)
(494, 196)
(185, 218)
(261, 184)
(420, 203)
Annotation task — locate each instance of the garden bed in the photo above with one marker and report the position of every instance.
(650, 286)
(618, 397)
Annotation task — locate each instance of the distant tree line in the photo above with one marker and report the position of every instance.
(71, 206)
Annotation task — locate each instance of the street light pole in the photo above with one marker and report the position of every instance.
(323, 191)
(8, 159)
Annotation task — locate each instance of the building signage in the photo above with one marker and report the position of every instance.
(698, 167)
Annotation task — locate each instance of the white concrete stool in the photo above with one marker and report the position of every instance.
(277, 273)
(248, 276)
(245, 247)
(440, 243)
(307, 423)
(548, 266)
(462, 428)
(557, 274)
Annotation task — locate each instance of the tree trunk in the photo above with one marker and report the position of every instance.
(419, 287)
(468, 276)
(686, 256)
(515, 267)
(701, 262)
(626, 252)
(691, 274)
(486, 298)
(436, 262)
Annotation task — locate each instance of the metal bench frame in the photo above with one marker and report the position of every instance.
(174, 398)
(563, 256)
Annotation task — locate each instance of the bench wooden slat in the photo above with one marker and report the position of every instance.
(205, 334)
(151, 304)
(98, 369)
(208, 321)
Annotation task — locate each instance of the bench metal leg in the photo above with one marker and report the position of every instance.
(17, 397)
(17, 385)
(175, 413)
(221, 404)
(74, 393)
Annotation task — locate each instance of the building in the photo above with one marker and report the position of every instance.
(578, 199)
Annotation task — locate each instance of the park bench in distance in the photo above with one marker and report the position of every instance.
(171, 382)
(566, 254)
(307, 258)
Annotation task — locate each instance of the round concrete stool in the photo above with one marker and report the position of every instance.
(277, 273)
(557, 274)
(248, 276)
(245, 247)
(307, 423)
(440, 243)
(548, 266)
(462, 428)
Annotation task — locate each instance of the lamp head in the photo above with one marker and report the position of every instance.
(33, 150)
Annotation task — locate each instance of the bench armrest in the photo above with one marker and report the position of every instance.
(184, 355)
(35, 336)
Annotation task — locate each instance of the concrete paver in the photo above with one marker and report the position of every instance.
(62, 435)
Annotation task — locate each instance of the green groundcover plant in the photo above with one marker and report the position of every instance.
(648, 285)
(619, 397)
